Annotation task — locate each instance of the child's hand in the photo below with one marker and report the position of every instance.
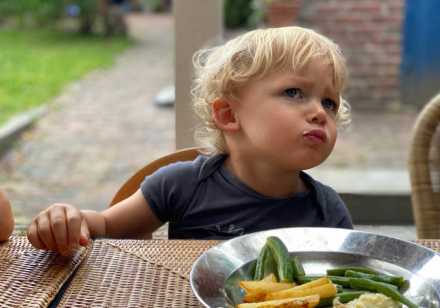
(61, 228)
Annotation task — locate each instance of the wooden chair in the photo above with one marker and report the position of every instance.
(424, 170)
(133, 183)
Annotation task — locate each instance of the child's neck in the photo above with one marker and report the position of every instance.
(265, 180)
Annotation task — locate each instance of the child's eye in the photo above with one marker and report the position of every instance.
(330, 104)
(293, 92)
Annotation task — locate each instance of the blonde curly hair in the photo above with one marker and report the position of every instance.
(221, 71)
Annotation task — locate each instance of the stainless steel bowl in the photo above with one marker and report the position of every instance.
(215, 275)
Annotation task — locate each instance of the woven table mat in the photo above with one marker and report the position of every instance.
(116, 274)
(176, 255)
(432, 244)
(30, 277)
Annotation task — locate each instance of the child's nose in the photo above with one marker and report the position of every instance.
(316, 113)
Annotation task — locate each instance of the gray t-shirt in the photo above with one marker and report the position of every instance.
(201, 199)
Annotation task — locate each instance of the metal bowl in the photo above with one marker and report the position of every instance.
(215, 275)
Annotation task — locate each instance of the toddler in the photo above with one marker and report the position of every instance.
(269, 103)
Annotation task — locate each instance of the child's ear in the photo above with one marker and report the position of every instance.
(224, 115)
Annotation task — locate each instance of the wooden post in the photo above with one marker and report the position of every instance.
(197, 22)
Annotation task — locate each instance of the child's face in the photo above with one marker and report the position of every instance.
(289, 120)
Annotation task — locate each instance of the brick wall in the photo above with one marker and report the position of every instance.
(369, 33)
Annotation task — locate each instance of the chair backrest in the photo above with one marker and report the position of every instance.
(133, 183)
(425, 192)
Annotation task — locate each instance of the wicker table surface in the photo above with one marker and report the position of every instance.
(30, 277)
(112, 273)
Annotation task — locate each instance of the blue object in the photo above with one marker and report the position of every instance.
(420, 66)
(73, 10)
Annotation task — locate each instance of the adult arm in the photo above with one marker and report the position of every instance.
(6, 218)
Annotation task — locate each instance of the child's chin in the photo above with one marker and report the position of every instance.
(311, 163)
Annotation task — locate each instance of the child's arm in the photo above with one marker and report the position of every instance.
(62, 227)
(6, 218)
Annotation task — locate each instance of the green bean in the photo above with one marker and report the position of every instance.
(405, 286)
(269, 265)
(339, 288)
(380, 287)
(281, 256)
(340, 271)
(343, 281)
(298, 269)
(390, 285)
(395, 280)
(305, 279)
(259, 268)
(251, 270)
(325, 302)
(348, 296)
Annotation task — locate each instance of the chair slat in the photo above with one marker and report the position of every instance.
(425, 200)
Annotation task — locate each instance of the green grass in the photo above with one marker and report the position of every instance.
(35, 65)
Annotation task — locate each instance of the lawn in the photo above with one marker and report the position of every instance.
(35, 65)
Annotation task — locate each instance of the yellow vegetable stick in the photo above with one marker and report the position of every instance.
(254, 296)
(314, 283)
(324, 291)
(257, 290)
(266, 286)
(300, 302)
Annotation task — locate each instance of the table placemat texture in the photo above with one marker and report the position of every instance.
(431, 244)
(124, 276)
(31, 277)
(164, 252)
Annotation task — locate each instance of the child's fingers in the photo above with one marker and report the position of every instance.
(73, 217)
(57, 216)
(33, 237)
(85, 234)
(44, 231)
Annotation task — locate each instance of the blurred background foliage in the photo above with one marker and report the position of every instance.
(243, 13)
(42, 12)
(237, 13)
(87, 15)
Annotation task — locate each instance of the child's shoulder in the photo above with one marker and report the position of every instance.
(199, 168)
(325, 195)
(316, 184)
(333, 208)
(180, 178)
